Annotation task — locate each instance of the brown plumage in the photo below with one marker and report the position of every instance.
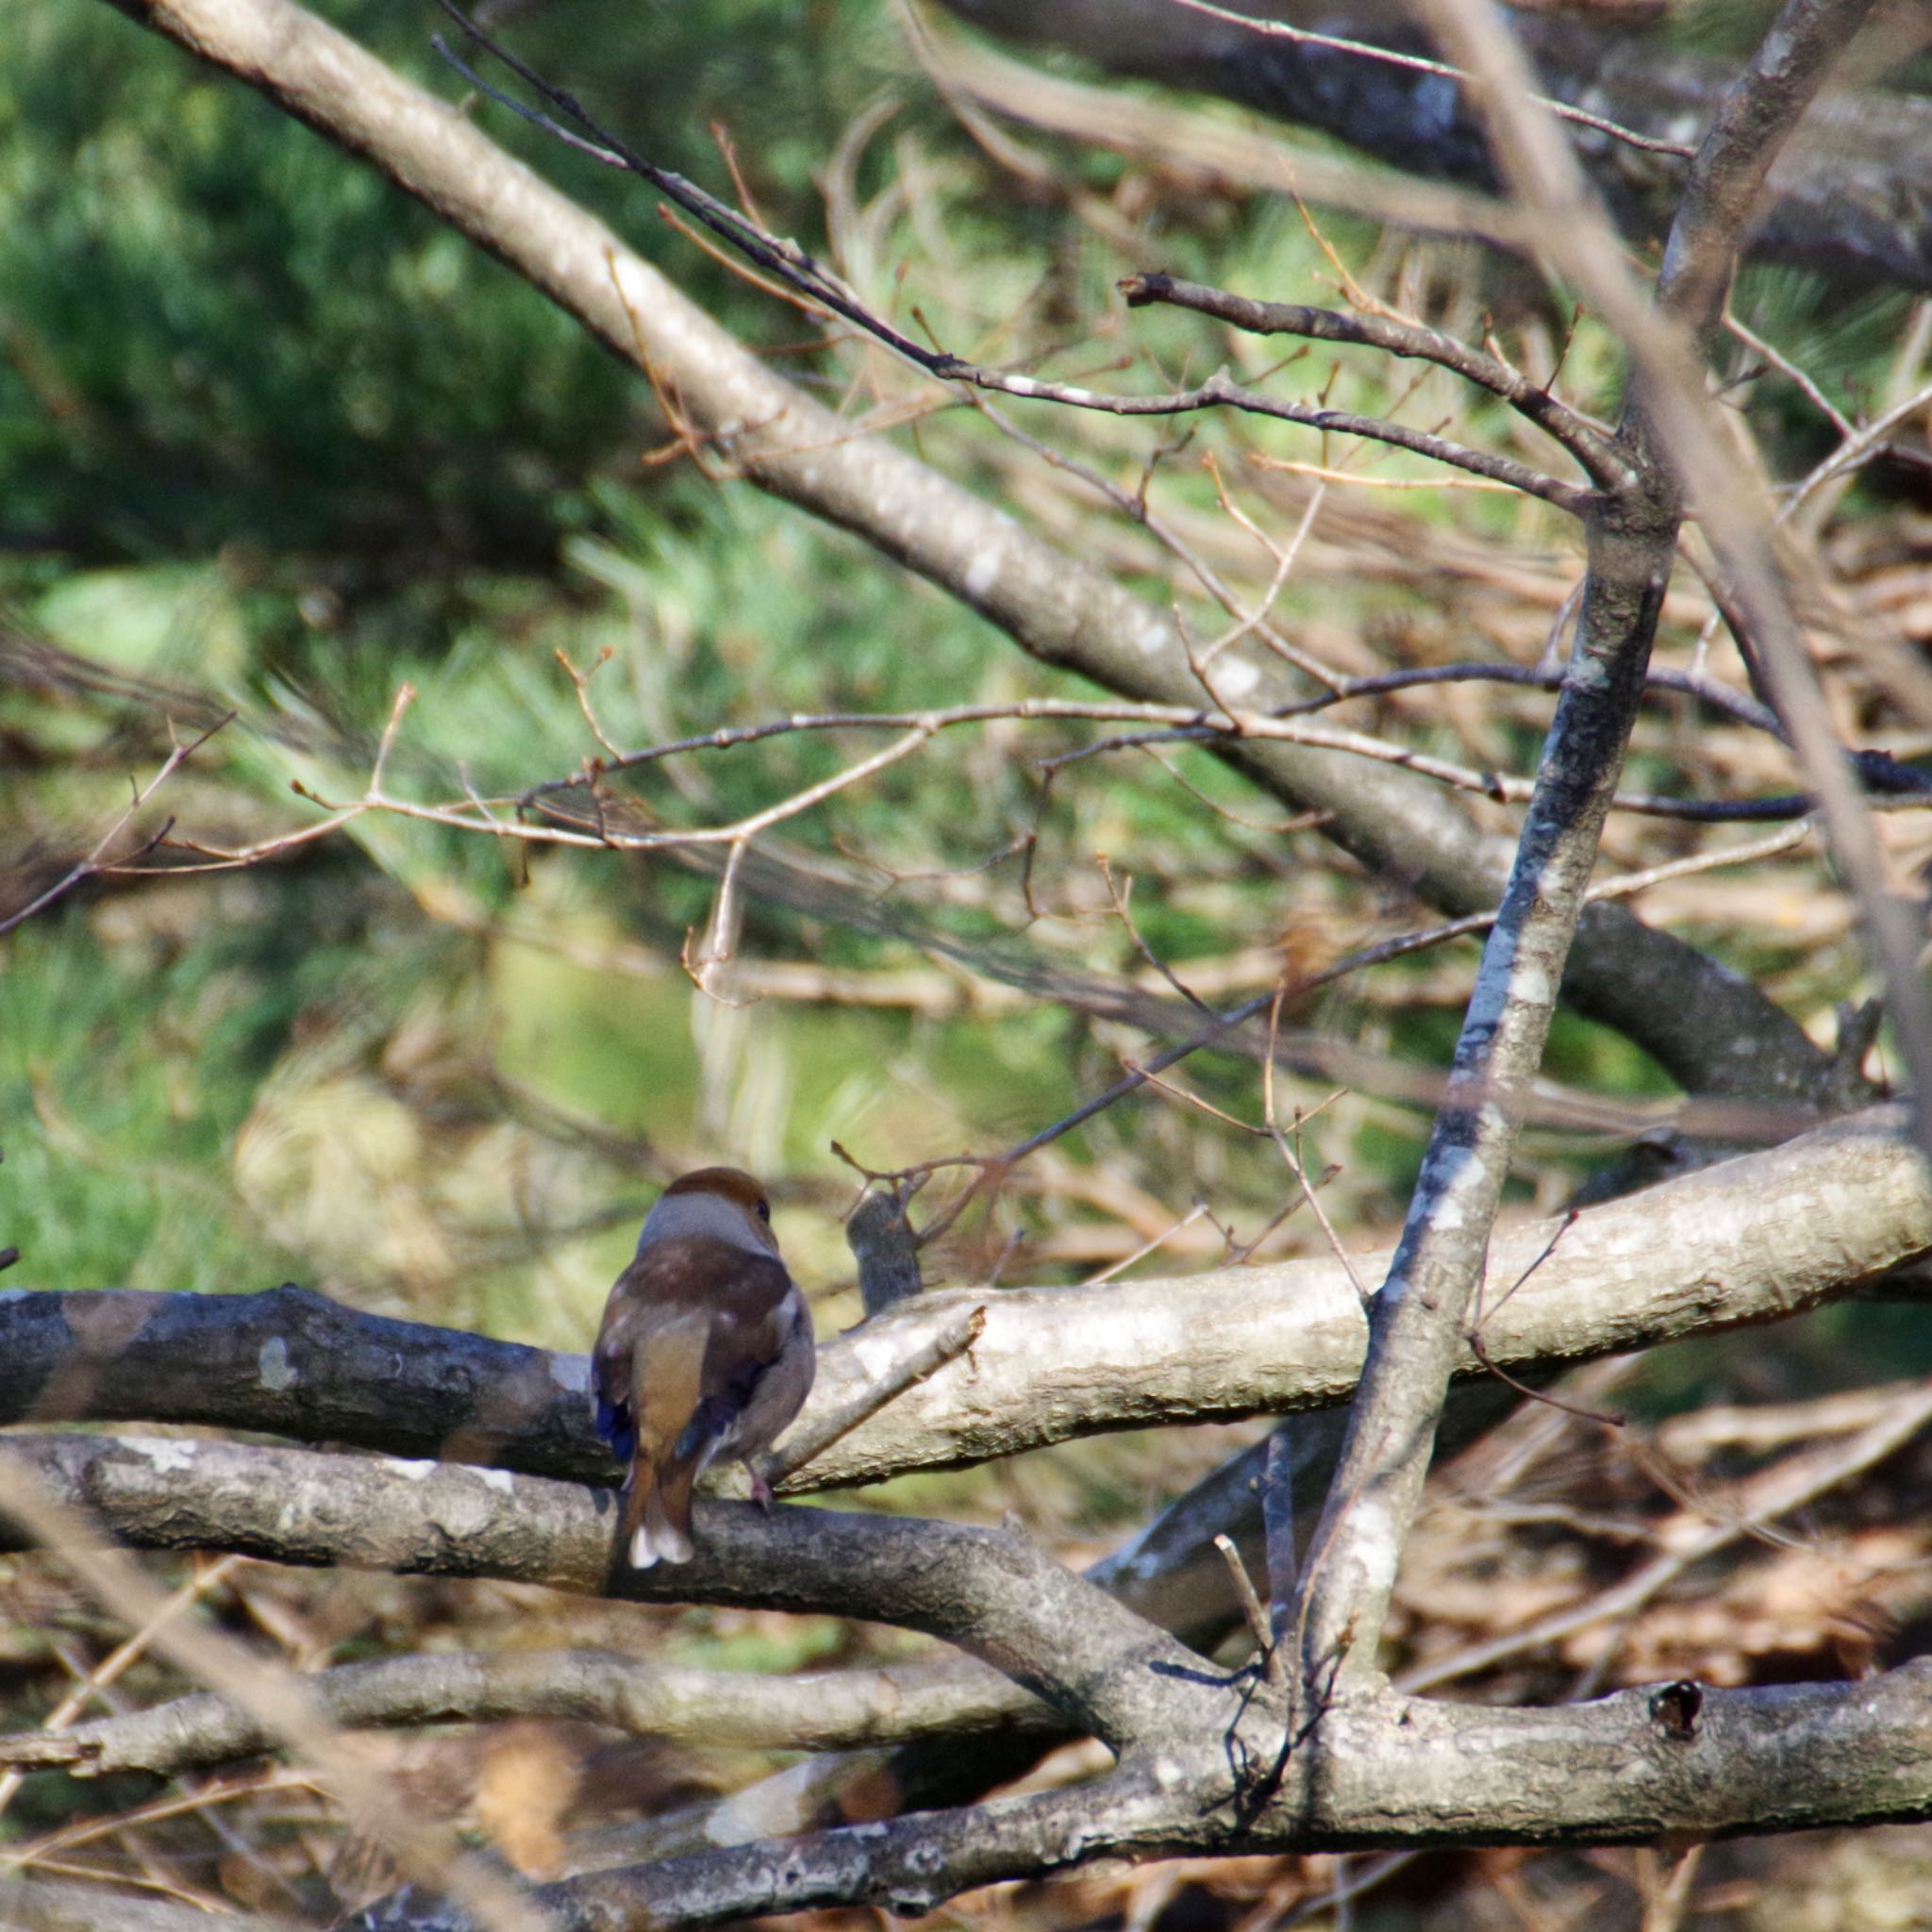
(706, 1350)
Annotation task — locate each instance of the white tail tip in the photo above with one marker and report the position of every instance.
(667, 1547)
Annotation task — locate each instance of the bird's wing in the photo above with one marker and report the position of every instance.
(694, 1322)
(751, 1324)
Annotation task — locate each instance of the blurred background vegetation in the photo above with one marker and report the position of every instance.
(277, 444)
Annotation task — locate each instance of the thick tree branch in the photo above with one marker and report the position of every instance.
(1675, 1760)
(1849, 200)
(908, 1866)
(991, 1592)
(1626, 1769)
(1729, 176)
(1171, 1573)
(1747, 1241)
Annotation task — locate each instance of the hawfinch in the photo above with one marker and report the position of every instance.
(706, 1350)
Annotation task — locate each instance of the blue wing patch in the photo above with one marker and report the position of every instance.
(713, 1418)
(618, 1427)
(717, 1415)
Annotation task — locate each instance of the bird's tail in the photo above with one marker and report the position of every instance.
(666, 1388)
(655, 1529)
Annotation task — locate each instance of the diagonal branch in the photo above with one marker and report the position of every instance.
(1061, 610)
(908, 1865)
(1417, 1322)
(1729, 176)
(1396, 337)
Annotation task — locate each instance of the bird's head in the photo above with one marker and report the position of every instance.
(722, 1202)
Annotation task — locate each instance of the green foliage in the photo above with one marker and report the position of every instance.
(221, 334)
(127, 1069)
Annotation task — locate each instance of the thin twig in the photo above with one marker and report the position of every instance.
(802, 271)
(95, 862)
(810, 1441)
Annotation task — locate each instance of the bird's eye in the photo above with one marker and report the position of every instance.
(764, 1210)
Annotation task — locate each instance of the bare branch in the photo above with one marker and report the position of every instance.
(1397, 337)
(1677, 1760)
(1769, 1233)
(993, 1593)
(815, 1710)
(97, 860)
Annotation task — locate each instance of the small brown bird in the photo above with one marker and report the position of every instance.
(706, 1350)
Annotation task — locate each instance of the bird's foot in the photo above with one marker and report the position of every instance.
(760, 1488)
